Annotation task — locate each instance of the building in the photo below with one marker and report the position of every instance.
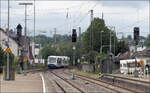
(139, 48)
(15, 48)
(12, 42)
(135, 58)
(36, 53)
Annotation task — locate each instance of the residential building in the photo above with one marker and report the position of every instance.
(15, 48)
(12, 43)
(36, 53)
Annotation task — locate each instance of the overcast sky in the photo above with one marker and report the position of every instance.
(124, 15)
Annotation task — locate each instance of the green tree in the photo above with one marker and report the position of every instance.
(64, 49)
(96, 30)
(122, 46)
(147, 42)
(47, 51)
(2, 57)
(61, 38)
(42, 39)
(129, 37)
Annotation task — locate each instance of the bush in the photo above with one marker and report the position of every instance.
(2, 57)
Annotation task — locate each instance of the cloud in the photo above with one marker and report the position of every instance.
(50, 14)
(126, 3)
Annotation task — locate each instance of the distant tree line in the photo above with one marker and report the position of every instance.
(89, 45)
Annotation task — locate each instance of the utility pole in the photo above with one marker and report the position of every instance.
(110, 43)
(80, 34)
(102, 15)
(55, 35)
(0, 12)
(8, 65)
(114, 42)
(25, 41)
(79, 47)
(0, 23)
(91, 32)
(34, 31)
(112, 28)
(101, 41)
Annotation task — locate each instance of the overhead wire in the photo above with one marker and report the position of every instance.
(70, 20)
(68, 14)
(81, 18)
(137, 22)
(89, 10)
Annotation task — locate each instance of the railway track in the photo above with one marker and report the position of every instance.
(83, 89)
(62, 89)
(65, 80)
(101, 83)
(127, 82)
(105, 84)
(144, 82)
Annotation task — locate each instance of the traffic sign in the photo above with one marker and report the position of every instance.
(8, 50)
(141, 63)
(25, 59)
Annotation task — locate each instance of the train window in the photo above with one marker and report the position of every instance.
(59, 60)
(131, 64)
(120, 65)
(124, 65)
(52, 60)
(37, 46)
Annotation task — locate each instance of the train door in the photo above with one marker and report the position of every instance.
(59, 62)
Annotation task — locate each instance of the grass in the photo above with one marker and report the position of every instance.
(88, 74)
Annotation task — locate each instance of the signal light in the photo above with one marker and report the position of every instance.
(19, 30)
(136, 34)
(74, 35)
(19, 34)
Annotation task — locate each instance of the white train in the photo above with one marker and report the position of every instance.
(57, 61)
(128, 66)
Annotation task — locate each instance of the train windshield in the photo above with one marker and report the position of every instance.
(52, 60)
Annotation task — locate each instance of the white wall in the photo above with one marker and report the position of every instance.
(37, 50)
(13, 44)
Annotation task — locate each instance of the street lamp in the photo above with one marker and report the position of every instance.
(113, 29)
(101, 41)
(25, 40)
(109, 39)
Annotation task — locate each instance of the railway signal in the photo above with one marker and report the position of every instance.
(74, 35)
(136, 35)
(19, 33)
(74, 39)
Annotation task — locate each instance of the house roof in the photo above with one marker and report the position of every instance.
(125, 55)
(144, 53)
(3, 31)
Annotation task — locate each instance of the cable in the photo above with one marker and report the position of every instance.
(88, 11)
(133, 24)
(81, 18)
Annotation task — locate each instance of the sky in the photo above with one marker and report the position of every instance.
(66, 15)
